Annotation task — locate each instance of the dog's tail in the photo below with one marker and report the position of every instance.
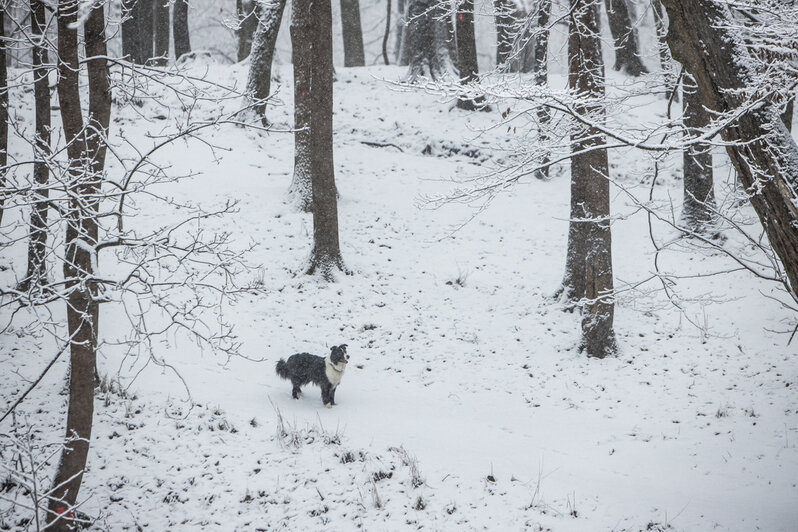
(282, 371)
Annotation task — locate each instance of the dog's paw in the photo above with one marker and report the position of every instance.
(328, 405)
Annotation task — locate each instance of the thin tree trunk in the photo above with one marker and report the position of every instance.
(352, 33)
(180, 28)
(426, 35)
(627, 50)
(699, 196)
(506, 21)
(786, 116)
(130, 30)
(400, 45)
(467, 65)
(3, 111)
(146, 30)
(387, 33)
(761, 149)
(86, 152)
(37, 268)
(260, 67)
(540, 54)
(311, 22)
(665, 58)
(247, 25)
(301, 191)
(161, 18)
(589, 263)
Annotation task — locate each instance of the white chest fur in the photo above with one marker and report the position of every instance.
(334, 372)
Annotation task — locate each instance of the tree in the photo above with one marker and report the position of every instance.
(138, 30)
(588, 268)
(699, 196)
(425, 39)
(180, 28)
(247, 24)
(86, 153)
(311, 35)
(3, 107)
(665, 59)
(37, 268)
(301, 190)
(352, 33)
(161, 22)
(260, 67)
(400, 45)
(760, 147)
(507, 22)
(627, 49)
(467, 65)
(540, 53)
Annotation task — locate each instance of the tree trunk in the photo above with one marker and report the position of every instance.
(588, 272)
(699, 196)
(540, 54)
(426, 35)
(311, 23)
(665, 58)
(761, 149)
(627, 50)
(86, 152)
(3, 111)
(400, 47)
(387, 32)
(161, 21)
(301, 191)
(352, 33)
(467, 64)
(146, 30)
(786, 116)
(247, 25)
(507, 16)
(180, 28)
(37, 267)
(260, 67)
(130, 30)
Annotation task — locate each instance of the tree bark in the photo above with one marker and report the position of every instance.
(627, 50)
(761, 149)
(146, 30)
(426, 35)
(260, 67)
(352, 33)
(540, 54)
(37, 268)
(301, 191)
(588, 272)
(400, 46)
(3, 110)
(247, 25)
(130, 30)
(665, 58)
(507, 16)
(180, 28)
(699, 196)
(86, 152)
(467, 65)
(161, 21)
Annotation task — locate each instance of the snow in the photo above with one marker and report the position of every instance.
(466, 405)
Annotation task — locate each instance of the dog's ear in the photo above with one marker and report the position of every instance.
(343, 347)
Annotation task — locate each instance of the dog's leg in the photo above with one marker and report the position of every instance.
(332, 395)
(297, 391)
(326, 396)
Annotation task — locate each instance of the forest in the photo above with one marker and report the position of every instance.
(395, 265)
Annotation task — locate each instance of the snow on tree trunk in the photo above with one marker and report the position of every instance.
(467, 64)
(260, 67)
(352, 34)
(426, 35)
(699, 196)
(588, 271)
(540, 64)
(37, 267)
(761, 149)
(665, 59)
(3, 109)
(180, 28)
(300, 191)
(247, 24)
(627, 50)
(507, 17)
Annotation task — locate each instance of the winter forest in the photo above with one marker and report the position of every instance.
(394, 265)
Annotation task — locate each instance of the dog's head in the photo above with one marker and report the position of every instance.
(338, 354)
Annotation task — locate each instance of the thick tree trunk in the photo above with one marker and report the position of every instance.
(467, 65)
(352, 33)
(627, 50)
(146, 29)
(37, 267)
(699, 196)
(541, 68)
(130, 30)
(761, 149)
(180, 28)
(86, 152)
(588, 272)
(507, 17)
(426, 35)
(3, 110)
(247, 25)
(301, 192)
(260, 66)
(161, 21)
(311, 22)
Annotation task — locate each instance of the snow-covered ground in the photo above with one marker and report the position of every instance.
(466, 405)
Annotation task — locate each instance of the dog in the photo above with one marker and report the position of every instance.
(304, 368)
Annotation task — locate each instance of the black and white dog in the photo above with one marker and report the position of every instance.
(304, 368)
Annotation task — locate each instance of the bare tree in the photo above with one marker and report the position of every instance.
(247, 11)
(352, 33)
(665, 58)
(86, 152)
(301, 189)
(541, 70)
(37, 244)
(260, 67)
(467, 65)
(425, 39)
(764, 154)
(180, 28)
(699, 197)
(624, 33)
(588, 269)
